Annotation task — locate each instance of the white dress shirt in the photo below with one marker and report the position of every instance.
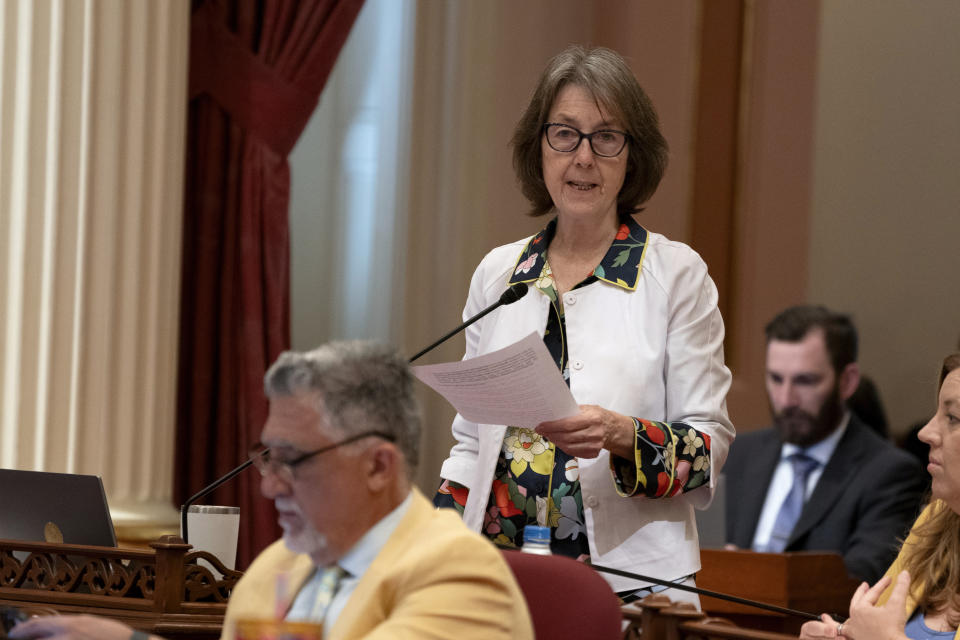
(782, 479)
(355, 563)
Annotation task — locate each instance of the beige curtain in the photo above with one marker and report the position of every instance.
(92, 113)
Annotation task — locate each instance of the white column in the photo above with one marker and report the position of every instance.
(92, 133)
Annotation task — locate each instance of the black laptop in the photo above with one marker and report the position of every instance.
(38, 506)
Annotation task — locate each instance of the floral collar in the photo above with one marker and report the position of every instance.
(620, 266)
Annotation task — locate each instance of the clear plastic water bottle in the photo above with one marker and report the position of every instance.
(536, 540)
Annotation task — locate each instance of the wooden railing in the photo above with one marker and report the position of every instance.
(165, 591)
(168, 592)
(657, 618)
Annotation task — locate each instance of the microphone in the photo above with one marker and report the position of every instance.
(208, 489)
(509, 296)
(713, 594)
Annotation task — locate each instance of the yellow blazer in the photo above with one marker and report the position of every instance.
(433, 579)
(897, 565)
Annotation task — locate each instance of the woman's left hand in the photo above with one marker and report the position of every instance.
(870, 622)
(826, 627)
(590, 431)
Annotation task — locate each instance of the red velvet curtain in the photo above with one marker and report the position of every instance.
(257, 68)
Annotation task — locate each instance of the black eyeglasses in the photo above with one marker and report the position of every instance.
(606, 143)
(265, 463)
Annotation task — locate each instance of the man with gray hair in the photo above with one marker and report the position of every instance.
(343, 436)
(363, 551)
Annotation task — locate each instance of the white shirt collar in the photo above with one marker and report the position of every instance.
(823, 450)
(356, 561)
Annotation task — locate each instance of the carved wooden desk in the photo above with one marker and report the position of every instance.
(164, 591)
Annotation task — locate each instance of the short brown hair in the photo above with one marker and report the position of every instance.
(606, 76)
(839, 334)
(950, 363)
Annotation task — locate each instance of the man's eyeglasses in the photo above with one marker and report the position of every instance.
(266, 463)
(606, 143)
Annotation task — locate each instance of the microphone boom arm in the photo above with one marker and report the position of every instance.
(509, 296)
(706, 592)
(457, 330)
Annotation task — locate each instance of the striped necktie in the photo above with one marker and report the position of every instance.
(329, 581)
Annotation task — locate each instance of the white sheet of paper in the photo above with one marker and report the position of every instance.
(518, 385)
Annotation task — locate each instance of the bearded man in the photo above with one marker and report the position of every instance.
(819, 479)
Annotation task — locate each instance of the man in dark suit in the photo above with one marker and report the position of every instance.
(819, 479)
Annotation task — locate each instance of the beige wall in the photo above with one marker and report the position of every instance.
(773, 183)
(885, 223)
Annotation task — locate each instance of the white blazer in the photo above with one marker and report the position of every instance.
(655, 352)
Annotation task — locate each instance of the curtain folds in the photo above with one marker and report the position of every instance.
(257, 68)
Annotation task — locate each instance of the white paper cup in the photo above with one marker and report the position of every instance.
(214, 529)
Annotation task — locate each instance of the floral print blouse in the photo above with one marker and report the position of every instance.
(535, 482)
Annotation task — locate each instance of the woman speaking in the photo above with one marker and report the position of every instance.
(631, 320)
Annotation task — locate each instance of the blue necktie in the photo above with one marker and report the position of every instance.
(792, 505)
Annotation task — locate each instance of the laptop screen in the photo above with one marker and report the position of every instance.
(38, 506)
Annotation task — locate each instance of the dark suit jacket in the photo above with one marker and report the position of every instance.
(866, 498)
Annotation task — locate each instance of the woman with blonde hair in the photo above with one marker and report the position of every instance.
(919, 597)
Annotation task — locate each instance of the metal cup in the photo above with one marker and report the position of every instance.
(214, 529)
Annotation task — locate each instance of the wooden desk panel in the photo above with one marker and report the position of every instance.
(813, 582)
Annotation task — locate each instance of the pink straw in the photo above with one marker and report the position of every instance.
(280, 608)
